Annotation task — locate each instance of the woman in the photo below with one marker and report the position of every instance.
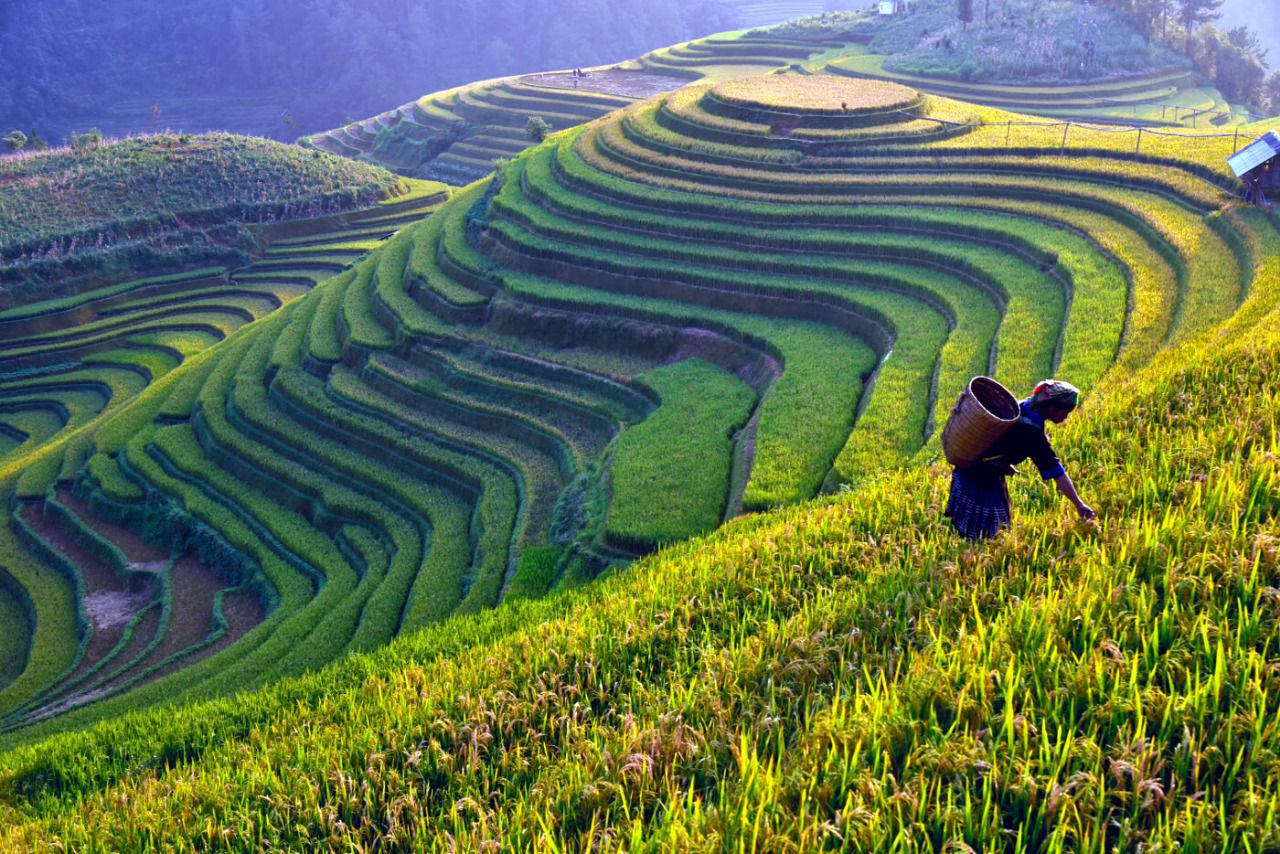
(979, 502)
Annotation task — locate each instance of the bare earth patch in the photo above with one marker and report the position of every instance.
(611, 81)
(111, 608)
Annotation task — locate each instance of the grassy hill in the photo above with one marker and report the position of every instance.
(127, 205)
(846, 673)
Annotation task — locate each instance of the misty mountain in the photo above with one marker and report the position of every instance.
(286, 68)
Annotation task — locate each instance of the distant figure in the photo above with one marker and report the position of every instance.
(979, 503)
(1253, 192)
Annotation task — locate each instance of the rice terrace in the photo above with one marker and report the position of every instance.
(569, 459)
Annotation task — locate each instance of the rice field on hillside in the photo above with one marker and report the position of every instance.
(457, 135)
(149, 598)
(482, 408)
(846, 675)
(1161, 97)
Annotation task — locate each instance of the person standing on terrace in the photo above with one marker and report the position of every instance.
(979, 503)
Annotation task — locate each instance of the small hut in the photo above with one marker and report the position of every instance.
(1258, 166)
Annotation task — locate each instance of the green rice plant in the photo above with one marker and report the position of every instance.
(323, 342)
(224, 316)
(790, 589)
(52, 306)
(15, 632)
(682, 452)
(439, 585)
(35, 424)
(805, 416)
(183, 343)
(424, 266)
(248, 447)
(1097, 286)
(155, 362)
(832, 176)
(55, 640)
(106, 476)
(296, 320)
(245, 297)
(421, 475)
(357, 324)
(916, 342)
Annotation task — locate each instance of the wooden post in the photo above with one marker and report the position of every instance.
(1138, 150)
(1008, 132)
(1065, 131)
(1235, 143)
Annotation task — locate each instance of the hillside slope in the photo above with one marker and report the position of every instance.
(134, 204)
(457, 134)
(480, 411)
(122, 67)
(844, 675)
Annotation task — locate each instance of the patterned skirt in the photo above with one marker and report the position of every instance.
(979, 503)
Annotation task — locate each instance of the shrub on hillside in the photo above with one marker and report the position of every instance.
(1019, 41)
(16, 141)
(537, 128)
(82, 142)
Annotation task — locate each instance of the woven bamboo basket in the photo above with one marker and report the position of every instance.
(983, 414)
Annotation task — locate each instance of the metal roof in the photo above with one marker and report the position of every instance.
(1255, 154)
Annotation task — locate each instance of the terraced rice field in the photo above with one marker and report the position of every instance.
(762, 13)
(798, 272)
(148, 600)
(1159, 98)
(455, 136)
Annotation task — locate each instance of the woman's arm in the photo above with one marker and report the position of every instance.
(1067, 488)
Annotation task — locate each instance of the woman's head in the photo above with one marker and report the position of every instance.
(1055, 399)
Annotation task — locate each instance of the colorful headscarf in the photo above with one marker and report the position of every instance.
(1055, 391)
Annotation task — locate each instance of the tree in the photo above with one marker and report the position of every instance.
(16, 140)
(537, 128)
(966, 12)
(1163, 10)
(82, 142)
(1248, 42)
(1238, 70)
(1196, 12)
(1273, 94)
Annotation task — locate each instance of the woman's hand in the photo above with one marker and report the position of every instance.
(1067, 488)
